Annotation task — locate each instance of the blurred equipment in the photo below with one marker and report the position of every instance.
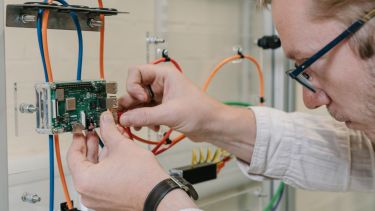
(269, 42)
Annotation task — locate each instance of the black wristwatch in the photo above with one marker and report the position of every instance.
(164, 187)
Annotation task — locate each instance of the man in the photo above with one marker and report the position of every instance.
(303, 150)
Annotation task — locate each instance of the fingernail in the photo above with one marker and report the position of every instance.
(77, 129)
(107, 117)
(124, 120)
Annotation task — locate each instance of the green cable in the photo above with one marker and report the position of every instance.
(237, 103)
(275, 197)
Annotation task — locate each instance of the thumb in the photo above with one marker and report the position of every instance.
(76, 156)
(109, 131)
(147, 116)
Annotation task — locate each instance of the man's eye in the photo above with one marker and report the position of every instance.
(307, 76)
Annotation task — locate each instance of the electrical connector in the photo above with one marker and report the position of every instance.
(196, 173)
(64, 207)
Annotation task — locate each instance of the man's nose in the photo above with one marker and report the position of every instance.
(315, 100)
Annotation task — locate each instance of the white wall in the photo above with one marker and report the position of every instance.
(200, 34)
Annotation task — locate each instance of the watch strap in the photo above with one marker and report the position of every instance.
(158, 193)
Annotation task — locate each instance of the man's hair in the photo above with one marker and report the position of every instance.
(346, 11)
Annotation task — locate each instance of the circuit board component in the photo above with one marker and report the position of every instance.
(68, 106)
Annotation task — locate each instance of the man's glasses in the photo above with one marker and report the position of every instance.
(299, 72)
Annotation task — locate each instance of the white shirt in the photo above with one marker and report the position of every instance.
(310, 152)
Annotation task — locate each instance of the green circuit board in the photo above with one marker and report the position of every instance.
(78, 105)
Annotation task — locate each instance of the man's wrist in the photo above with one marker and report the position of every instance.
(176, 200)
(234, 130)
(165, 188)
(149, 185)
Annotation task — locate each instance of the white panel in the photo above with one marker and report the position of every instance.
(3, 119)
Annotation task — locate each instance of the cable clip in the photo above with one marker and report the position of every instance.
(165, 55)
(240, 53)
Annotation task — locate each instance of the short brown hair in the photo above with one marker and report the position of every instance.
(264, 3)
(346, 11)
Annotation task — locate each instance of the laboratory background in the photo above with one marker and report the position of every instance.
(196, 34)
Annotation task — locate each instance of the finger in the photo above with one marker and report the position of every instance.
(92, 146)
(146, 116)
(76, 156)
(109, 131)
(121, 129)
(103, 154)
(127, 102)
(138, 78)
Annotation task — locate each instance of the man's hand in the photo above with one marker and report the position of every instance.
(121, 177)
(177, 102)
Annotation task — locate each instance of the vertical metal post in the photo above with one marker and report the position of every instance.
(161, 18)
(3, 121)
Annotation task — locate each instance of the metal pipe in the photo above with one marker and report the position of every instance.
(3, 119)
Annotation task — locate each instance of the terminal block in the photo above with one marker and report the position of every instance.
(196, 173)
(68, 106)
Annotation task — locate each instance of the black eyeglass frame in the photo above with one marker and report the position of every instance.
(297, 73)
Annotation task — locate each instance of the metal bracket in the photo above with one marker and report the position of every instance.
(25, 15)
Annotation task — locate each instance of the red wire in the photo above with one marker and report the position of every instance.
(222, 163)
(158, 61)
(175, 141)
(176, 64)
(166, 60)
(163, 141)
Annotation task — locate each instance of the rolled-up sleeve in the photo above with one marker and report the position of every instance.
(310, 152)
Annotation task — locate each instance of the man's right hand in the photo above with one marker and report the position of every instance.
(181, 105)
(177, 102)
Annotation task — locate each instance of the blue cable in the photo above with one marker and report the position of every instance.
(79, 76)
(80, 40)
(40, 42)
(79, 34)
(50, 137)
(51, 174)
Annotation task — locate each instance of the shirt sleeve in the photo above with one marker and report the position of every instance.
(310, 152)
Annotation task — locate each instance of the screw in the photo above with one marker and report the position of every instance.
(94, 23)
(53, 86)
(155, 40)
(27, 108)
(28, 18)
(31, 198)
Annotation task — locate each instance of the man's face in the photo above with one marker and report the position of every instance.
(344, 82)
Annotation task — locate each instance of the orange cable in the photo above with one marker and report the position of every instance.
(45, 43)
(61, 172)
(102, 39)
(209, 80)
(50, 79)
(233, 58)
